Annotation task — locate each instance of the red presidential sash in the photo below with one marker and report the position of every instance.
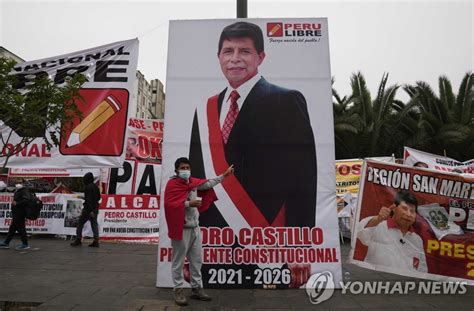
(231, 184)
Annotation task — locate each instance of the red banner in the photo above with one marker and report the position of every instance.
(415, 222)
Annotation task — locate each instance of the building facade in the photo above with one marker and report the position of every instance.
(148, 98)
(142, 97)
(157, 99)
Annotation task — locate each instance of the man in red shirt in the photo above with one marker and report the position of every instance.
(185, 198)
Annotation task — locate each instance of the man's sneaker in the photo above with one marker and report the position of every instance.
(76, 242)
(94, 244)
(199, 294)
(179, 297)
(4, 245)
(22, 247)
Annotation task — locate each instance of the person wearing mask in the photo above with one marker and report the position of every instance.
(185, 198)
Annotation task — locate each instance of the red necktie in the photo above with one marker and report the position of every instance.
(231, 116)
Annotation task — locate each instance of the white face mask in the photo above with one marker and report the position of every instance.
(184, 174)
(18, 186)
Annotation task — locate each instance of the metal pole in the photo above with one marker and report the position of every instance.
(241, 8)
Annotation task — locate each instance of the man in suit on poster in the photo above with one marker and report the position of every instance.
(264, 131)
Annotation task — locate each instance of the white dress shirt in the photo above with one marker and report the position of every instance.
(389, 247)
(243, 91)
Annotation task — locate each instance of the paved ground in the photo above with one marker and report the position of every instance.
(54, 276)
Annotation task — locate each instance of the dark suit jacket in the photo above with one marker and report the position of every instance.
(272, 148)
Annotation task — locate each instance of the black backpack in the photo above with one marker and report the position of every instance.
(33, 207)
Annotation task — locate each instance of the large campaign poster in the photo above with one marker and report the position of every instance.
(256, 95)
(415, 222)
(419, 158)
(98, 138)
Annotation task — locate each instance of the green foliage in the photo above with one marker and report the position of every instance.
(446, 122)
(30, 111)
(372, 121)
(441, 124)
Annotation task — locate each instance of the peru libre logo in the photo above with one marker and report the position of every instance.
(275, 29)
(320, 287)
(293, 29)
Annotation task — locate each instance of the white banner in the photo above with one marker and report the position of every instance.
(135, 177)
(98, 140)
(121, 217)
(284, 123)
(129, 217)
(413, 157)
(59, 214)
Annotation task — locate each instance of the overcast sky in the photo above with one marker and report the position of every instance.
(411, 40)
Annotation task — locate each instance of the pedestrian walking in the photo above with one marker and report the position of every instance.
(90, 212)
(18, 208)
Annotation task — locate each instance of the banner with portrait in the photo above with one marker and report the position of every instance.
(413, 157)
(415, 222)
(256, 95)
(98, 138)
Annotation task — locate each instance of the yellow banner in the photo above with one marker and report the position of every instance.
(347, 176)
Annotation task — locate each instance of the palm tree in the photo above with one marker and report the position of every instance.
(383, 126)
(375, 120)
(446, 124)
(346, 125)
(464, 114)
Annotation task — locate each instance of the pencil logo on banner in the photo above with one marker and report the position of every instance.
(292, 33)
(275, 29)
(102, 131)
(98, 117)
